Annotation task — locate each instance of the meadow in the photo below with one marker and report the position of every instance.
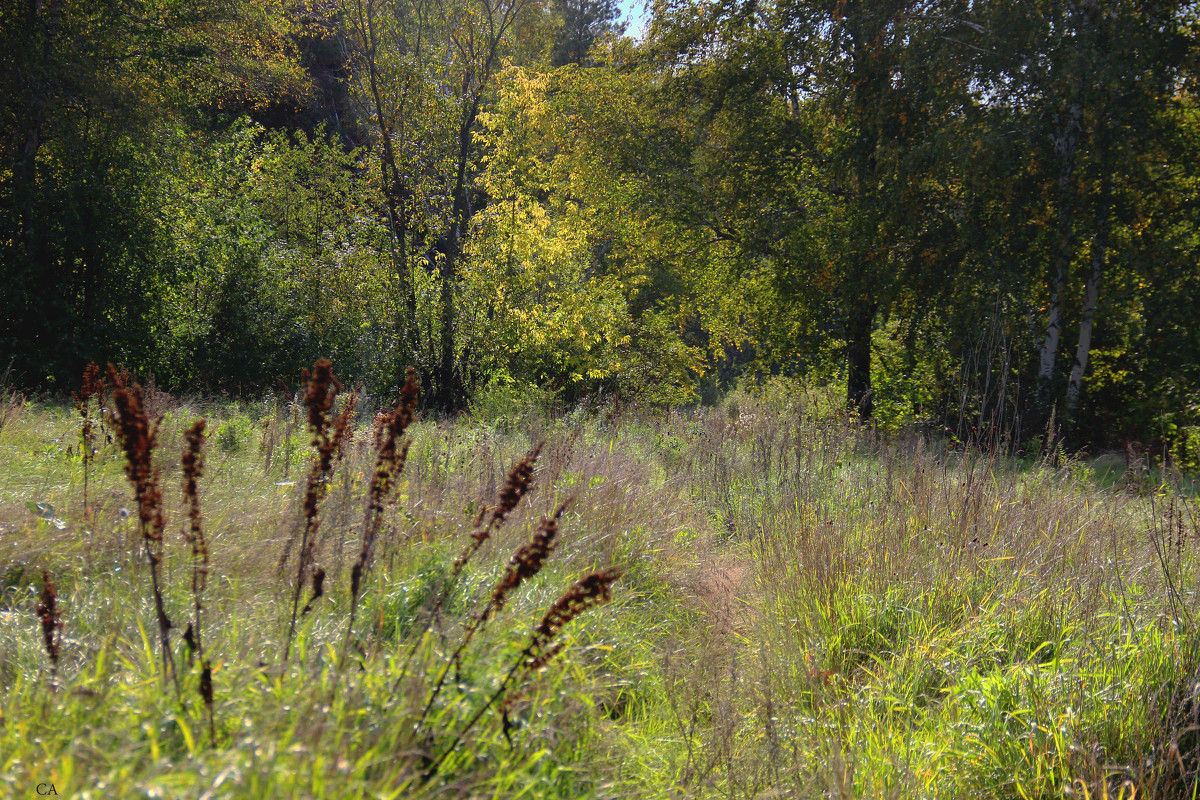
(782, 603)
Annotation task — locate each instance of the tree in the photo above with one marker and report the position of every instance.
(1083, 91)
(560, 271)
(89, 91)
(818, 133)
(425, 70)
(268, 252)
(584, 22)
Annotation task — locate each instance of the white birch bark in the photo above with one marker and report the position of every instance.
(1090, 301)
(1064, 145)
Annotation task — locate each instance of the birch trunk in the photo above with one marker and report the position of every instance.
(1064, 145)
(1090, 301)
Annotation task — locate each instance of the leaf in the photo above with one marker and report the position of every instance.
(41, 510)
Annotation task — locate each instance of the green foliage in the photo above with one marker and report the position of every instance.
(978, 215)
(556, 280)
(90, 90)
(273, 243)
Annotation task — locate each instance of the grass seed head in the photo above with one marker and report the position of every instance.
(318, 586)
(543, 657)
(591, 590)
(192, 464)
(530, 557)
(189, 638)
(93, 385)
(137, 437)
(342, 430)
(391, 456)
(320, 387)
(206, 684)
(193, 469)
(51, 618)
(518, 484)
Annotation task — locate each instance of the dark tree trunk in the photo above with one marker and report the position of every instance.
(449, 394)
(859, 325)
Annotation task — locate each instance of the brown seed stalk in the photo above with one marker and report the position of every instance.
(528, 559)
(525, 563)
(517, 485)
(192, 463)
(318, 589)
(390, 458)
(590, 591)
(51, 618)
(321, 388)
(137, 437)
(206, 694)
(93, 387)
(520, 481)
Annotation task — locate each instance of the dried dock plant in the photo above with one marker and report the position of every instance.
(193, 469)
(329, 433)
(137, 434)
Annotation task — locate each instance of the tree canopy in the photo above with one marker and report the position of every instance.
(973, 215)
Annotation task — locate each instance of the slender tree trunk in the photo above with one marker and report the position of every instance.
(1065, 145)
(1091, 300)
(448, 390)
(395, 190)
(862, 287)
(1048, 355)
(446, 393)
(860, 323)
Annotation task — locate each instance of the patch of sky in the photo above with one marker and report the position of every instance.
(636, 16)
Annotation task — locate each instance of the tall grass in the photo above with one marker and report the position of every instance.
(107, 657)
(806, 610)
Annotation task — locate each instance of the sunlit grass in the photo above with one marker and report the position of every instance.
(806, 611)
